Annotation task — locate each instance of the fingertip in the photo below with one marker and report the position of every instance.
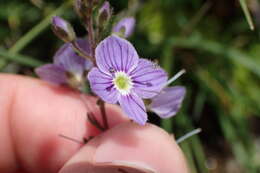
(131, 148)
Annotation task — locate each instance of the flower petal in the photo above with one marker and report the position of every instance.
(134, 107)
(70, 61)
(168, 102)
(102, 85)
(115, 53)
(126, 25)
(148, 79)
(52, 73)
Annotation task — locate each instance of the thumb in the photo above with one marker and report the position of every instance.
(129, 148)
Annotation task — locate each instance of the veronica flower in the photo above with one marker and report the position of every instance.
(68, 68)
(168, 102)
(125, 26)
(120, 76)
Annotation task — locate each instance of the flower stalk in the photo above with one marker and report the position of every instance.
(90, 29)
(101, 104)
(81, 52)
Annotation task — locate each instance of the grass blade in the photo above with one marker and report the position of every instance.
(21, 59)
(247, 14)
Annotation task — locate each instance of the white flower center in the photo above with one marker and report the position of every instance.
(123, 82)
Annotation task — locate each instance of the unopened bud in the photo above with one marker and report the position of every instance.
(81, 8)
(104, 13)
(63, 29)
(125, 27)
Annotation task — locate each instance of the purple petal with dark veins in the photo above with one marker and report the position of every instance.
(70, 61)
(148, 79)
(117, 54)
(168, 102)
(134, 108)
(52, 73)
(127, 25)
(102, 85)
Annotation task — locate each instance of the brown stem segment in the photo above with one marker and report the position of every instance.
(91, 34)
(81, 52)
(103, 113)
(94, 122)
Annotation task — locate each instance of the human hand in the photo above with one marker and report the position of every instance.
(33, 114)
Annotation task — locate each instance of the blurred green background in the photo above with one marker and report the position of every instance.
(211, 39)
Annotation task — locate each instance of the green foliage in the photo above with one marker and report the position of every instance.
(210, 39)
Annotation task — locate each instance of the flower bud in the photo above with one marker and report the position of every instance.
(104, 13)
(63, 29)
(125, 27)
(81, 8)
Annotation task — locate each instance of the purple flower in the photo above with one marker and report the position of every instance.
(63, 29)
(68, 68)
(125, 26)
(122, 77)
(168, 102)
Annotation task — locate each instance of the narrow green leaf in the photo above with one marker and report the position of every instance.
(21, 59)
(214, 47)
(36, 30)
(247, 14)
(28, 37)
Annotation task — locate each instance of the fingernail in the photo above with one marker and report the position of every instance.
(108, 167)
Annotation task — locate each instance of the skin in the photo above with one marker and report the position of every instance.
(33, 114)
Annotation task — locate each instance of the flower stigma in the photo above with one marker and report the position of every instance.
(123, 82)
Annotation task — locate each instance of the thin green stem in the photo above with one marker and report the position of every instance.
(247, 14)
(21, 59)
(167, 63)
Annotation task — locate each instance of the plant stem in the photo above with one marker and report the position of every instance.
(104, 115)
(92, 119)
(81, 52)
(91, 35)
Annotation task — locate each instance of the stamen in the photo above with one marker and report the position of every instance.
(111, 70)
(175, 77)
(122, 82)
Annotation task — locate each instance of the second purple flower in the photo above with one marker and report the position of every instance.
(122, 77)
